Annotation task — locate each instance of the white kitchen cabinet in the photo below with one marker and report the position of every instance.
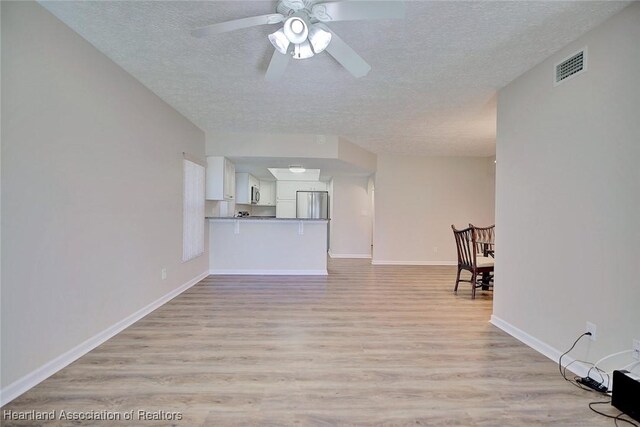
(319, 186)
(267, 193)
(244, 182)
(286, 209)
(286, 190)
(229, 180)
(254, 182)
(221, 179)
(286, 195)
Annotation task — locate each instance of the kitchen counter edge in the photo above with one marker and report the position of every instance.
(257, 218)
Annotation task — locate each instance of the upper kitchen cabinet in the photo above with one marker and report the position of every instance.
(286, 195)
(286, 190)
(221, 179)
(267, 193)
(318, 186)
(244, 184)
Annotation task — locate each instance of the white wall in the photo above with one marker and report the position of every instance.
(300, 146)
(248, 144)
(91, 192)
(350, 226)
(418, 198)
(356, 155)
(568, 196)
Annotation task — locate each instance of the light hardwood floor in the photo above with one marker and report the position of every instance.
(367, 345)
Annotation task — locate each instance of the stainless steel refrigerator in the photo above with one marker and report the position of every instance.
(312, 204)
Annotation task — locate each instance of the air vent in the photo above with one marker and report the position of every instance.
(571, 66)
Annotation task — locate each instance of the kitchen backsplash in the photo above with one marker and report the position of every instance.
(263, 210)
(230, 208)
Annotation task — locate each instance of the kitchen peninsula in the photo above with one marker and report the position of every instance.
(278, 246)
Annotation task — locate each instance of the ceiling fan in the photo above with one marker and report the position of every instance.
(304, 33)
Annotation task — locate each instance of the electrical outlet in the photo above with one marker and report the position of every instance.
(435, 249)
(636, 349)
(163, 273)
(591, 327)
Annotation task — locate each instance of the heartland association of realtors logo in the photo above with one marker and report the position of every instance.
(64, 415)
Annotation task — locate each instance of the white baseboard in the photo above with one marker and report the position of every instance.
(222, 272)
(33, 378)
(554, 354)
(363, 256)
(388, 262)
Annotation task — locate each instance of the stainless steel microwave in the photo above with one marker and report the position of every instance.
(255, 195)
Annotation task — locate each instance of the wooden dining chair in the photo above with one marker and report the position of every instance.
(485, 239)
(469, 260)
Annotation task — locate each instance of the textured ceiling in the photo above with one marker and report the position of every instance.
(431, 89)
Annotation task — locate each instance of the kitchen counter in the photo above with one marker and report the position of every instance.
(267, 245)
(261, 218)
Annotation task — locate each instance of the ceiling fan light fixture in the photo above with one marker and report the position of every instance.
(319, 36)
(279, 41)
(303, 50)
(296, 28)
(297, 169)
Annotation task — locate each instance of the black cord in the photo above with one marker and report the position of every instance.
(564, 373)
(600, 372)
(615, 418)
(574, 381)
(567, 352)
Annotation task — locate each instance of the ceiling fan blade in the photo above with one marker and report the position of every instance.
(356, 10)
(236, 24)
(277, 65)
(294, 4)
(347, 57)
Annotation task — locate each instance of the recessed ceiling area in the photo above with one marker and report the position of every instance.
(431, 90)
(291, 174)
(328, 168)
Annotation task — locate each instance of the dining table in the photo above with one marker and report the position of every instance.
(487, 247)
(488, 250)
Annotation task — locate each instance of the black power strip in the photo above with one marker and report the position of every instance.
(593, 384)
